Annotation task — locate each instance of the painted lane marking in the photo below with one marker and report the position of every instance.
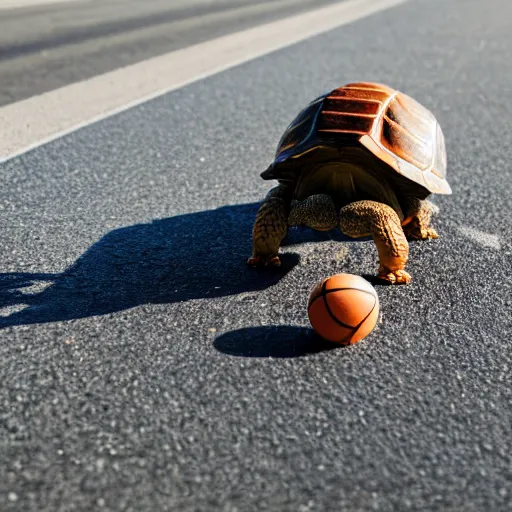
(30, 123)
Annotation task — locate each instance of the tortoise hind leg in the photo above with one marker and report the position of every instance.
(316, 212)
(379, 220)
(269, 229)
(418, 216)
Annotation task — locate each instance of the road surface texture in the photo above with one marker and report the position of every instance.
(44, 47)
(143, 367)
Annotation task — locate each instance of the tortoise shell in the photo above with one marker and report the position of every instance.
(391, 125)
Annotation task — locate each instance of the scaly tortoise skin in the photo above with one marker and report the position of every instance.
(364, 158)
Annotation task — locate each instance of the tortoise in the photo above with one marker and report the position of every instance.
(364, 158)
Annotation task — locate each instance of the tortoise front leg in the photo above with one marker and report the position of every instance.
(379, 220)
(270, 228)
(418, 216)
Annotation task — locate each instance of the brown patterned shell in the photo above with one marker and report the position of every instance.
(391, 125)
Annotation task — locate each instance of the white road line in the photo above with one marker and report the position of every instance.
(16, 4)
(481, 237)
(35, 121)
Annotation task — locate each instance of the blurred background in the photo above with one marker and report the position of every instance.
(46, 44)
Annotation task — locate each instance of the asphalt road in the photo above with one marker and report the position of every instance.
(143, 367)
(49, 46)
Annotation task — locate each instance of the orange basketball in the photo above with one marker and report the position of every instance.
(343, 308)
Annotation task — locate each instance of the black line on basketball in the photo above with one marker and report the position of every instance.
(312, 297)
(366, 317)
(330, 290)
(331, 314)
